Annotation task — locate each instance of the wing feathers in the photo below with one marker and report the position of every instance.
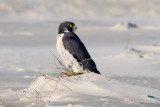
(74, 45)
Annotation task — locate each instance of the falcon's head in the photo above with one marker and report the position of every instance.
(67, 27)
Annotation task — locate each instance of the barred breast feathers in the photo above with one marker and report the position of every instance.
(66, 56)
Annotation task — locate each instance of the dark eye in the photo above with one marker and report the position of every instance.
(69, 25)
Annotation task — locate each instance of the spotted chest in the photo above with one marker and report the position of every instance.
(68, 58)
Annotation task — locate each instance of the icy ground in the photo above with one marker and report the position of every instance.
(128, 59)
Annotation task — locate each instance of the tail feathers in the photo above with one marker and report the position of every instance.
(91, 69)
(96, 71)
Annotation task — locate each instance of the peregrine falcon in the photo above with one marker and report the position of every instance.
(72, 51)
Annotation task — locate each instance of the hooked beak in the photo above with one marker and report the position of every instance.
(74, 28)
